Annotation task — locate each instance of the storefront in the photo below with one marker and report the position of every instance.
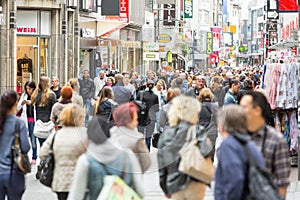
(33, 54)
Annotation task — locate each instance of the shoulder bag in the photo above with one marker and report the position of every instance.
(43, 129)
(47, 167)
(193, 162)
(115, 187)
(18, 156)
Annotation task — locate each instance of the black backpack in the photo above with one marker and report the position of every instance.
(259, 181)
(142, 112)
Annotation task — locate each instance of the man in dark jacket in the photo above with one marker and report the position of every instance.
(87, 91)
(195, 91)
(121, 94)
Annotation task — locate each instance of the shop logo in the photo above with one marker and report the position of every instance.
(26, 30)
(164, 38)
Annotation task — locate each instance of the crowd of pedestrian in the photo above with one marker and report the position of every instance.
(105, 125)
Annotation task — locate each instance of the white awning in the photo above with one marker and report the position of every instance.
(286, 44)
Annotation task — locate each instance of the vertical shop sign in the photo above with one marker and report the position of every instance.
(124, 11)
(209, 43)
(169, 14)
(216, 31)
(188, 8)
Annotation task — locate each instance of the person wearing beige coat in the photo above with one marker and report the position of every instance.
(69, 143)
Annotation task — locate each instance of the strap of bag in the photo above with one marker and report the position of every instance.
(51, 146)
(142, 95)
(17, 137)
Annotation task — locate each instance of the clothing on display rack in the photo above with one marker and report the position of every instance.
(24, 65)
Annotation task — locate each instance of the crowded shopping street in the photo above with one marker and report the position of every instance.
(149, 99)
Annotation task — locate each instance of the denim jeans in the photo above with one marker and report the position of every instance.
(13, 188)
(87, 105)
(41, 141)
(32, 140)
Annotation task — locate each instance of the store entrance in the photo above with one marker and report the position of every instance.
(27, 58)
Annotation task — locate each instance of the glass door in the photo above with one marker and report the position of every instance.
(27, 61)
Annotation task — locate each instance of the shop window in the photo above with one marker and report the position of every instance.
(44, 56)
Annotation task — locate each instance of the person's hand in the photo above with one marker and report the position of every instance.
(168, 196)
(28, 102)
(23, 102)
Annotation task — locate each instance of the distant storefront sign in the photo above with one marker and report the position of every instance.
(216, 31)
(169, 15)
(164, 38)
(148, 56)
(209, 43)
(188, 8)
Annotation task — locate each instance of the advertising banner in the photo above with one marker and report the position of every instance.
(216, 31)
(188, 8)
(169, 15)
(124, 11)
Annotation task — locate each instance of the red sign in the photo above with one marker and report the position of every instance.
(26, 30)
(213, 59)
(124, 11)
(288, 5)
(294, 51)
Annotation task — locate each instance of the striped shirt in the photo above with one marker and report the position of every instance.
(275, 153)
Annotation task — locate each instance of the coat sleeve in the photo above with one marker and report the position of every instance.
(20, 102)
(163, 118)
(80, 179)
(143, 155)
(25, 146)
(45, 149)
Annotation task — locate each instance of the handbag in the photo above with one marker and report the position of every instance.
(18, 156)
(155, 139)
(192, 161)
(43, 129)
(19, 113)
(115, 188)
(47, 167)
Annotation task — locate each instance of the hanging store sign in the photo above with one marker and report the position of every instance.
(188, 8)
(228, 39)
(87, 33)
(216, 31)
(209, 43)
(169, 15)
(287, 5)
(151, 46)
(151, 56)
(27, 22)
(124, 11)
(164, 38)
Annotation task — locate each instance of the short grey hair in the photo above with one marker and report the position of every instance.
(233, 118)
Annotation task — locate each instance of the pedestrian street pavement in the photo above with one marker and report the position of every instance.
(36, 191)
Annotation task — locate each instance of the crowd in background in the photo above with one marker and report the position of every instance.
(101, 129)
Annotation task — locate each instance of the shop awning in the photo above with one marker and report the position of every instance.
(105, 28)
(288, 43)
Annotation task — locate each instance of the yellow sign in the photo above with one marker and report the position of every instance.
(164, 38)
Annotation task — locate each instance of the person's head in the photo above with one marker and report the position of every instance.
(181, 110)
(8, 105)
(150, 85)
(110, 81)
(66, 94)
(86, 74)
(206, 94)
(44, 88)
(106, 93)
(229, 75)
(163, 73)
(29, 87)
(74, 84)
(248, 84)
(101, 75)
(126, 78)
(162, 84)
(55, 82)
(149, 74)
(126, 115)
(255, 105)
(200, 82)
(216, 81)
(234, 86)
(119, 78)
(72, 115)
(172, 93)
(232, 118)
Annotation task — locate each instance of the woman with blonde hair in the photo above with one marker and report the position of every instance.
(207, 116)
(76, 98)
(43, 100)
(175, 184)
(69, 143)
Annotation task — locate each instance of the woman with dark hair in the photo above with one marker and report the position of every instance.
(12, 181)
(104, 109)
(147, 125)
(28, 115)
